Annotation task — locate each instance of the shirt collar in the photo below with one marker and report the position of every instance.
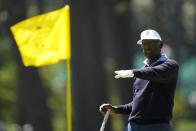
(163, 57)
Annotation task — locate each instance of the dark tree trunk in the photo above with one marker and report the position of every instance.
(32, 105)
(177, 31)
(89, 90)
(168, 17)
(123, 45)
(160, 15)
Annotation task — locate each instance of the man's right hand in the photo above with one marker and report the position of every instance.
(105, 107)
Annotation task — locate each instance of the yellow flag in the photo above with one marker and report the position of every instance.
(44, 39)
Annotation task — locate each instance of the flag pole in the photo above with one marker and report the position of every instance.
(68, 72)
(68, 96)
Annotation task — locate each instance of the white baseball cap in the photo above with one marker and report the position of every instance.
(149, 35)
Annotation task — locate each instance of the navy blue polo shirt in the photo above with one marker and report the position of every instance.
(153, 92)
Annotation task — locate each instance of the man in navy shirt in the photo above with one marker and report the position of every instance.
(153, 88)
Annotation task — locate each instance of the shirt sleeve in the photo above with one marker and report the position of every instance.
(125, 109)
(161, 73)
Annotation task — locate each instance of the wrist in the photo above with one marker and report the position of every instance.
(115, 109)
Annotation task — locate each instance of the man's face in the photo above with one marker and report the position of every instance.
(151, 48)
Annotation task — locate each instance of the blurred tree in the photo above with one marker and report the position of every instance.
(160, 15)
(175, 25)
(89, 87)
(166, 17)
(32, 105)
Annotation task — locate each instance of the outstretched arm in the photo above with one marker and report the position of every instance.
(163, 72)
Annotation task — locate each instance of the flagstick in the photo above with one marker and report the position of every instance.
(68, 96)
(105, 120)
(68, 69)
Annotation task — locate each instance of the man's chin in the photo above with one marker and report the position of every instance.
(148, 56)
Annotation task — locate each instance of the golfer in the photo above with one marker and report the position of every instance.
(153, 88)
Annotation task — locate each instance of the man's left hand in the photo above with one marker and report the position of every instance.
(124, 74)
